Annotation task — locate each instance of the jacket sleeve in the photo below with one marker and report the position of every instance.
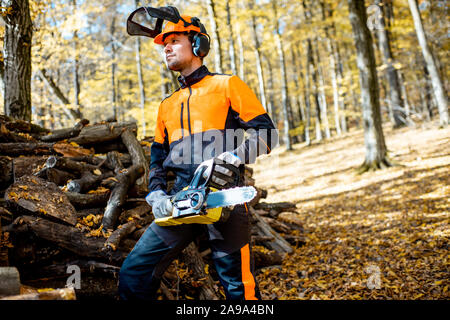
(262, 134)
(159, 152)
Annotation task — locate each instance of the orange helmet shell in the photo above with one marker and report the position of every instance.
(171, 27)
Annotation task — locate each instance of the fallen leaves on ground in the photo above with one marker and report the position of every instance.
(381, 235)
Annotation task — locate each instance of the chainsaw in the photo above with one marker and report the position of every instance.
(202, 201)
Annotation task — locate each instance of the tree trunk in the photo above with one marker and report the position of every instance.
(297, 76)
(76, 79)
(438, 90)
(334, 72)
(241, 52)
(231, 48)
(396, 101)
(376, 156)
(141, 79)
(323, 104)
(17, 55)
(215, 37)
(271, 91)
(284, 84)
(307, 82)
(259, 69)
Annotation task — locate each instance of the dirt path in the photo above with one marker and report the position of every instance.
(380, 235)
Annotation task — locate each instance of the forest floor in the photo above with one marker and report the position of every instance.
(378, 235)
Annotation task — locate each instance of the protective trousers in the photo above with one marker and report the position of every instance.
(142, 270)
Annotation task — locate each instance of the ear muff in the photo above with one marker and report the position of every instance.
(200, 45)
(200, 42)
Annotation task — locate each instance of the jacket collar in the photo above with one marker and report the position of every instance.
(194, 77)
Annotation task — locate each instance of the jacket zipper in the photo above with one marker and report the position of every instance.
(181, 120)
(190, 133)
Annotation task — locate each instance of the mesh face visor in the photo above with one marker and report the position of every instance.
(149, 22)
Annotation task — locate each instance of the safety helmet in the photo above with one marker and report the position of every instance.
(180, 26)
(159, 22)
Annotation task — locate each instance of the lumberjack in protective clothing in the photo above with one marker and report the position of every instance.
(203, 120)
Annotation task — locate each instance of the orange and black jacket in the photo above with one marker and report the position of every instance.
(206, 116)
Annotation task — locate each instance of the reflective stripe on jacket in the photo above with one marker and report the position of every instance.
(206, 116)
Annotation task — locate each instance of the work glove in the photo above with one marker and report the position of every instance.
(228, 158)
(160, 203)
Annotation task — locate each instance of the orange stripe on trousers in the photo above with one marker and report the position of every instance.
(247, 277)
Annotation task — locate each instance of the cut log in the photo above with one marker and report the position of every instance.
(278, 244)
(276, 207)
(67, 133)
(113, 241)
(91, 159)
(4, 259)
(102, 132)
(6, 171)
(8, 136)
(260, 193)
(13, 124)
(88, 181)
(86, 266)
(9, 281)
(119, 194)
(66, 164)
(91, 200)
(194, 262)
(16, 149)
(36, 196)
(277, 225)
(108, 146)
(57, 294)
(58, 177)
(113, 162)
(136, 213)
(67, 237)
(138, 158)
(70, 150)
(291, 219)
(264, 257)
(27, 165)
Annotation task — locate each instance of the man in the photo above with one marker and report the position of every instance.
(211, 105)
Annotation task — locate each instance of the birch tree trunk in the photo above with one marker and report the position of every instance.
(376, 153)
(284, 84)
(395, 96)
(241, 52)
(323, 103)
(215, 37)
(438, 90)
(17, 57)
(333, 71)
(231, 48)
(307, 82)
(271, 91)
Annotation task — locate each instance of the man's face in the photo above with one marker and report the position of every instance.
(178, 51)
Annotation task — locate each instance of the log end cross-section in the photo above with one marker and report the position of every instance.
(35, 196)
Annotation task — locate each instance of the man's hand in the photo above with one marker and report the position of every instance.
(160, 203)
(229, 158)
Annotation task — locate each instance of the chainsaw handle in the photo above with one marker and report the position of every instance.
(198, 175)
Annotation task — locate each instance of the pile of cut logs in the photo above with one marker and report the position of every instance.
(76, 197)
